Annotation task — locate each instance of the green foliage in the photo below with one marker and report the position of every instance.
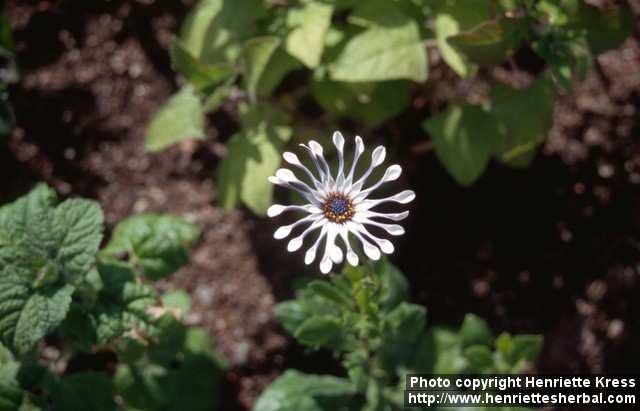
(156, 245)
(8, 74)
(54, 280)
(363, 61)
(254, 154)
(364, 318)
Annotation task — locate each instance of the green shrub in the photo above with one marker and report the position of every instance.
(56, 282)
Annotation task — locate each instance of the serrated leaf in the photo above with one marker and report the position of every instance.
(329, 292)
(383, 53)
(214, 30)
(453, 17)
(464, 138)
(306, 42)
(11, 394)
(181, 118)
(407, 321)
(155, 244)
(490, 42)
(527, 115)
(202, 76)
(253, 155)
(296, 391)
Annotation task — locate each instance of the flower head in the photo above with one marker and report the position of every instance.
(339, 206)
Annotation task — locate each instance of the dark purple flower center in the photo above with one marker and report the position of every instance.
(338, 208)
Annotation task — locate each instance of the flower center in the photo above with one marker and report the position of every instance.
(338, 208)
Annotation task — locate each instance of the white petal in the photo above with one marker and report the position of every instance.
(392, 173)
(294, 244)
(291, 158)
(310, 255)
(404, 197)
(283, 232)
(352, 258)
(336, 255)
(275, 210)
(370, 250)
(338, 140)
(391, 216)
(325, 265)
(386, 246)
(378, 156)
(356, 155)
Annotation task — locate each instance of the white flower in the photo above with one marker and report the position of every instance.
(339, 206)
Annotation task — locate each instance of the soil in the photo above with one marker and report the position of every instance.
(552, 249)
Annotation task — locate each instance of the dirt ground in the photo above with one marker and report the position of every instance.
(551, 249)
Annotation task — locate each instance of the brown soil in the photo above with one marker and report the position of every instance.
(550, 249)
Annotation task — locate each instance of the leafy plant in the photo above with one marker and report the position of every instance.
(59, 290)
(364, 318)
(364, 60)
(8, 74)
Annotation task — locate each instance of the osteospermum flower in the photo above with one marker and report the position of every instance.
(339, 206)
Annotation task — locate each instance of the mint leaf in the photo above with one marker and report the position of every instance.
(491, 42)
(383, 53)
(254, 154)
(44, 252)
(296, 391)
(11, 394)
(181, 118)
(306, 41)
(155, 244)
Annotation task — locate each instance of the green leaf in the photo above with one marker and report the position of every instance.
(11, 394)
(383, 53)
(214, 30)
(491, 42)
(395, 287)
(291, 314)
(83, 391)
(296, 391)
(202, 76)
(475, 331)
(319, 331)
(605, 28)
(330, 292)
(371, 103)
(306, 41)
(480, 358)
(179, 372)
(464, 138)
(407, 321)
(7, 118)
(526, 348)
(62, 240)
(453, 17)
(257, 54)
(527, 115)
(44, 251)
(178, 299)
(155, 244)
(181, 118)
(253, 155)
